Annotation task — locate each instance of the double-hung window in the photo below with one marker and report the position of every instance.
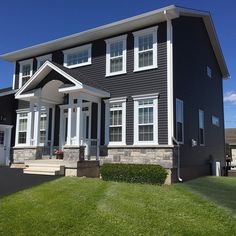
(201, 128)
(145, 49)
(179, 121)
(26, 71)
(41, 60)
(145, 119)
(79, 56)
(22, 128)
(43, 128)
(116, 55)
(116, 121)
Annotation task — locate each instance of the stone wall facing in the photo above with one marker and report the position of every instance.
(73, 153)
(20, 155)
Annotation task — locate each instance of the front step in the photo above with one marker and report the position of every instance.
(44, 168)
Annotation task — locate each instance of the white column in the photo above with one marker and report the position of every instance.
(107, 121)
(98, 128)
(53, 126)
(61, 132)
(68, 140)
(37, 116)
(79, 121)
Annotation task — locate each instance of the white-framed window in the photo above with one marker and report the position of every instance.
(22, 128)
(42, 59)
(43, 128)
(179, 121)
(26, 71)
(116, 55)
(209, 72)
(116, 121)
(79, 56)
(201, 127)
(146, 119)
(215, 121)
(145, 49)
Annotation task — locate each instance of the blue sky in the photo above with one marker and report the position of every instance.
(26, 23)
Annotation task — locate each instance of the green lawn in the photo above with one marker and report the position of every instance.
(78, 206)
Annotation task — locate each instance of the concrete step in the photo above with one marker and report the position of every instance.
(34, 172)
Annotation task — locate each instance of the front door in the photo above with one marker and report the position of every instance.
(2, 148)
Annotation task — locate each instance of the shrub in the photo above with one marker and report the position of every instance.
(134, 173)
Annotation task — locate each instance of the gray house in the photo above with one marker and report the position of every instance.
(147, 89)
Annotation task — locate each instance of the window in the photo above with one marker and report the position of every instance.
(79, 56)
(145, 49)
(41, 60)
(145, 119)
(26, 71)
(215, 121)
(116, 123)
(116, 55)
(2, 135)
(22, 128)
(43, 128)
(209, 72)
(179, 121)
(201, 128)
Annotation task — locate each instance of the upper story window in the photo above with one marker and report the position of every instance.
(145, 119)
(209, 72)
(201, 128)
(79, 56)
(116, 55)
(145, 49)
(26, 71)
(215, 121)
(42, 59)
(179, 120)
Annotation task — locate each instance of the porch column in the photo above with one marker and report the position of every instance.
(37, 116)
(68, 140)
(79, 121)
(61, 132)
(52, 126)
(98, 128)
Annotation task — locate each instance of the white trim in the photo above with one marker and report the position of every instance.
(14, 77)
(44, 58)
(170, 97)
(136, 99)
(98, 129)
(7, 93)
(122, 38)
(182, 106)
(137, 34)
(23, 63)
(76, 50)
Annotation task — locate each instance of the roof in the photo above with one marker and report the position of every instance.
(230, 136)
(143, 20)
(6, 91)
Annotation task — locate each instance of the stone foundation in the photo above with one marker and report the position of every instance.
(164, 156)
(73, 153)
(20, 155)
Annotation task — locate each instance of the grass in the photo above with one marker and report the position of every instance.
(78, 206)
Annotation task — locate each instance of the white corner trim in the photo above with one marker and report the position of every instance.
(75, 50)
(122, 38)
(145, 96)
(14, 77)
(170, 96)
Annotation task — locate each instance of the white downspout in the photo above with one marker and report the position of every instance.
(178, 162)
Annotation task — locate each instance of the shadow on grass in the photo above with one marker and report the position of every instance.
(13, 180)
(221, 190)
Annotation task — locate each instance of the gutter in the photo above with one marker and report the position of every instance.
(178, 163)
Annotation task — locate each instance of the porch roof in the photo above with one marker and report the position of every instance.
(78, 82)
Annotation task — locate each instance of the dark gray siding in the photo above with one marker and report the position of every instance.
(192, 54)
(129, 84)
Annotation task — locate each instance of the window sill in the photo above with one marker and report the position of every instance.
(116, 73)
(116, 144)
(146, 68)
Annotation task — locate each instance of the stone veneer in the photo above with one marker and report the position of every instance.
(73, 153)
(20, 155)
(159, 155)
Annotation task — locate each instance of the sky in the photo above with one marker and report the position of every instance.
(26, 23)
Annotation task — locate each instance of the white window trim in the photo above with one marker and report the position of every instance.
(122, 38)
(137, 34)
(47, 57)
(28, 128)
(77, 49)
(108, 102)
(155, 119)
(22, 63)
(181, 101)
(204, 139)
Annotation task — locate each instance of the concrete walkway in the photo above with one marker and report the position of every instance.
(13, 180)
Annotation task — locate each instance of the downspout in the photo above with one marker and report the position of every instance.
(178, 161)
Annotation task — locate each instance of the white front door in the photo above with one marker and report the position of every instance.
(5, 142)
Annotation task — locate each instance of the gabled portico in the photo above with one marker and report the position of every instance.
(63, 113)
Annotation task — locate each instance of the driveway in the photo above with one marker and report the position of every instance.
(13, 180)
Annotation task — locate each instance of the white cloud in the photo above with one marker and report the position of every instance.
(230, 97)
